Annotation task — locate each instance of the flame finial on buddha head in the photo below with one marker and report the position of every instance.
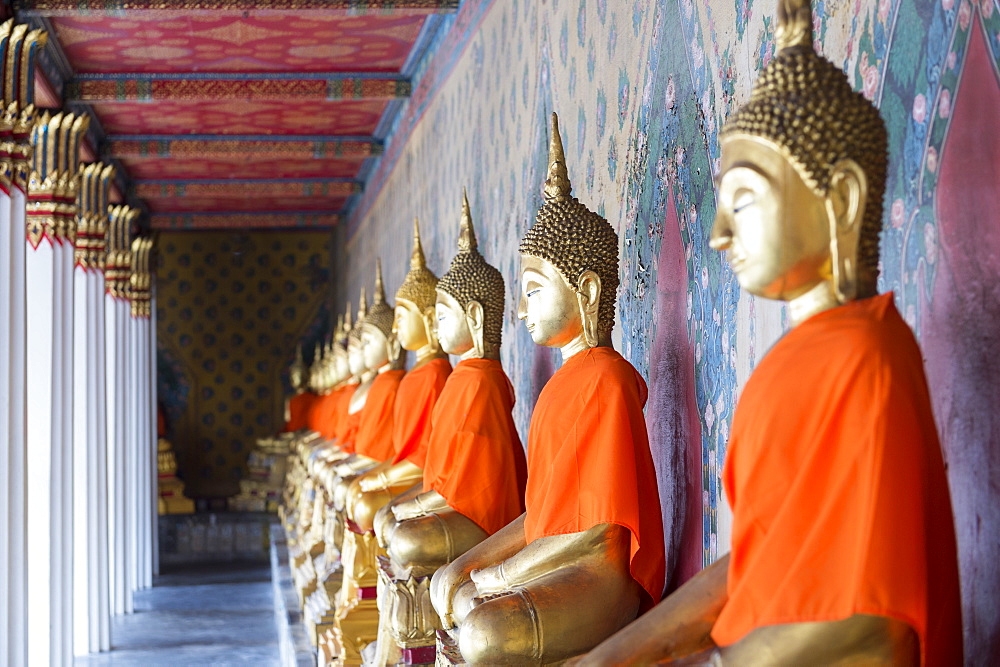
(470, 278)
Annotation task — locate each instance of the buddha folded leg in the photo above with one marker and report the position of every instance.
(422, 545)
(508, 628)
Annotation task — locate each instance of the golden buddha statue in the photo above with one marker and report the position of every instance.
(474, 472)
(413, 327)
(833, 440)
(587, 554)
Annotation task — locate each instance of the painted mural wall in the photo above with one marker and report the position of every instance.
(231, 307)
(642, 88)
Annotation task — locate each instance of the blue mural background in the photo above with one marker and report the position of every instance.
(642, 89)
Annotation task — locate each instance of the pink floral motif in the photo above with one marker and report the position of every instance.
(930, 243)
(919, 108)
(932, 159)
(944, 104)
(986, 7)
(898, 213)
(697, 55)
(951, 60)
(679, 156)
(947, 4)
(964, 14)
(871, 82)
(883, 10)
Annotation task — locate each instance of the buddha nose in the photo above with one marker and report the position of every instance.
(722, 233)
(522, 307)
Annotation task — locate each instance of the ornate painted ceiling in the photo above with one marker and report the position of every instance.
(235, 113)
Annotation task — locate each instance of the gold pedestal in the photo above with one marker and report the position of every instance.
(408, 622)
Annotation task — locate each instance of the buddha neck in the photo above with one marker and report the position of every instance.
(489, 351)
(427, 354)
(815, 301)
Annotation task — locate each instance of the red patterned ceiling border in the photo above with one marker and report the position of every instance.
(279, 220)
(116, 7)
(139, 89)
(306, 150)
(241, 188)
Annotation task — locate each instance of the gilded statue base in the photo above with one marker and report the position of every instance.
(447, 650)
(408, 622)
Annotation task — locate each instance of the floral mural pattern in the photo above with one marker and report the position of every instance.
(642, 89)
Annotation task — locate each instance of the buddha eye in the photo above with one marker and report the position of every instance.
(534, 291)
(743, 199)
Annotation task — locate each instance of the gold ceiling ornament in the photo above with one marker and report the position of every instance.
(572, 238)
(92, 216)
(420, 283)
(54, 182)
(470, 278)
(355, 332)
(19, 111)
(119, 261)
(805, 105)
(381, 314)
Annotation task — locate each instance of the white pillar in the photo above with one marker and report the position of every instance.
(101, 461)
(154, 494)
(16, 601)
(40, 273)
(6, 380)
(63, 598)
(83, 443)
(114, 447)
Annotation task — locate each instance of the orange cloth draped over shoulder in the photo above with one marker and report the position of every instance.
(347, 423)
(374, 438)
(299, 407)
(589, 461)
(838, 488)
(474, 457)
(415, 400)
(323, 413)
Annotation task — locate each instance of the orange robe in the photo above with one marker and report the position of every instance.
(299, 407)
(347, 424)
(415, 400)
(323, 415)
(838, 488)
(474, 457)
(589, 461)
(374, 438)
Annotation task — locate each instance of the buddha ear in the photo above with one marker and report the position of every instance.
(474, 316)
(430, 327)
(393, 349)
(845, 207)
(588, 295)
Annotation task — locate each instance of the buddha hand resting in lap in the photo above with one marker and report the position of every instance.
(843, 548)
(474, 471)
(587, 554)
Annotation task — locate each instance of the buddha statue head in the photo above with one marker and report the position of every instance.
(569, 266)
(297, 372)
(470, 299)
(355, 350)
(316, 370)
(415, 299)
(341, 366)
(379, 344)
(802, 179)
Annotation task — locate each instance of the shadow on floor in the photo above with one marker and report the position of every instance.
(198, 615)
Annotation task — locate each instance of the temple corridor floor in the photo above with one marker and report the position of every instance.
(198, 615)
